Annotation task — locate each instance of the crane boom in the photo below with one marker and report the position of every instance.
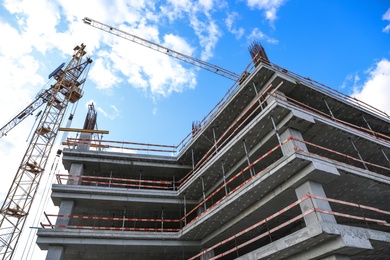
(154, 46)
(20, 196)
(40, 99)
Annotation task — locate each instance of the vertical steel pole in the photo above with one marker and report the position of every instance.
(162, 219)
(204, 194)
(185, 210)
(257, 94)
(368, 125)
(224, 177)
(356, 150)
(251, 170)
(383, 152)
(193, 158)
(124, 217)
(276, 131)
(330, 111)
(215, 141)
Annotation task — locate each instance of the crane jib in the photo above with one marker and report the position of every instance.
(162, 49)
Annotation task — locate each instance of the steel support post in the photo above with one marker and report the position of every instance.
(215, 141)
(384, 154)
(330, 111)
(185, 209)
(193, 158)
(357, 151)
(257, 95)
(368, 125)
(124, 217)
(251, 170)
(162, 219)
(276, 130)
(224, 177)
(204, 194)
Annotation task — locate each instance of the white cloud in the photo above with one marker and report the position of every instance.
(102, 74)
(375, 90)
(386, 17)
(229, 21)
(256, 34)
(178, 44)
(352, 78)
(208, 33)
(270, 7)
(205, 28)
(157, 74)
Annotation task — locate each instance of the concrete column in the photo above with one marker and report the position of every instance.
(66, 208)
(76, 170)
(288, 147)
(84, 145)
(55, 253)
(314, 188)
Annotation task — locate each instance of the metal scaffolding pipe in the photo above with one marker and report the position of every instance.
(251, 170)
(357, 151)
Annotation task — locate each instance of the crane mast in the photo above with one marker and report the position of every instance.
(154, 46)
(20, 196)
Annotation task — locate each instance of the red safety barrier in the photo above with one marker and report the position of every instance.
(114, 218)
(254, 226)
(309, 211)
(76, 141)
(356, 205)
(115, 179)
(338, 121)
(264, 221)
(114, 228)
(111, 181)
(234, 127)
(229, 181)
(338, 153)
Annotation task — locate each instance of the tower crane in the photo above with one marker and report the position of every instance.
(18, 201)
(154, 46)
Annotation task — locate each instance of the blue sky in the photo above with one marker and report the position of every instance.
(144, 96)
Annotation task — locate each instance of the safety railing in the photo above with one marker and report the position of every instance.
(344, 159)
(280, 221)
(233, 189)
(122, 146)
(329, 90)
(231, 131)
(269, 230)
(102, 181)
(361, 129)
(233, 89)
(117, 223)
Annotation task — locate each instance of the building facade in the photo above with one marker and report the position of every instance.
(283, 167)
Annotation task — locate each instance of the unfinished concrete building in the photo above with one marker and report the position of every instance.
(283, 167)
